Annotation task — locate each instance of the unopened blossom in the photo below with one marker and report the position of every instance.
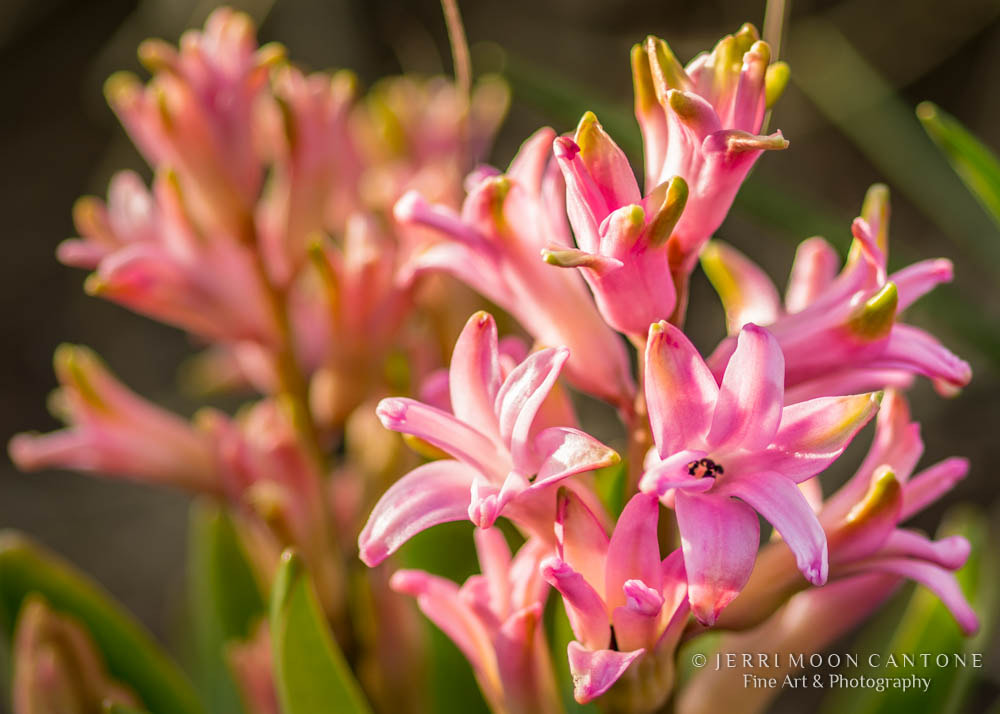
(727, 451)
(113, 431)
(701, 123)
(196, 115)
(620, 585)
(59, 669)
(148, 256)
(494, 247)
(495, 619)
(621, 237)
(840, 333)
(506, 455)
(863, 520)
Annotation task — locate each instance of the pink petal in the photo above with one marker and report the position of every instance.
(634, 551)
(584, 607)
(439, 600)
(444, 431)
(930, 484)
(494, 563)
(940, 581)
(474, 376)
(779, 500)
(913, 349)
(719, 538)
(746, 292)
(565, 451)
(915, 281)
(520, 398)
(673, 472)
(606, 163)
(582, 540)
(434, 493)
(813, 434)
(813, 271)
(529, 164)
(752, 392)
(528, 587)
(680, 390)
(950, 552)
(595, 672)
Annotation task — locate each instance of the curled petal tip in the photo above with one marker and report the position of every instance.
(565, 148)
(409, 206)
(391, 412)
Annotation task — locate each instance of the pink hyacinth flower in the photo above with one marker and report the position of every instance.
(506, 458)
(621, 237)
(150, 258)
(839, 333)
(494, 248)
(196, 115)
(701, 122)
(112, 431)
(862, 522)
(495, 619)
(618, 583)
(724, 451)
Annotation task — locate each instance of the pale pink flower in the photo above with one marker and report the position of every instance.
(701, 123)
(196, 115)
(495, 619)
(113, 431)
(507, 456)
(724, 451)
(839, 333)
(621, 237)
(619, 583)
(862, 522)
(494, 247)
(149, 257)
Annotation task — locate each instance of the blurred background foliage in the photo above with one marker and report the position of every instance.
(859, 70)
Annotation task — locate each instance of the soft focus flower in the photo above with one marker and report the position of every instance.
(59, 668)
(621, 237)
(196, 115)
(701, 122)
(862, 521)
(495, 619)
(626, 607)
(716, 443)
(494, 247)
(250, 662)
(506, 453)
(839, 333)
(113, 431)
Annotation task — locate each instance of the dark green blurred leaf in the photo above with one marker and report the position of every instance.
(310, 673)
(927, 626)
(224, 602)
(112, 708)
(131, 654)
(972, 160)
(609, 483)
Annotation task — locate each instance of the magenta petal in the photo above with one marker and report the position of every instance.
(719, 538)
(595, 671)
(913, 349)
(520, 398)
(781, 502)
(634, 551)
(474, 376)
(584, 607)
(950, 552)
(813, 434)
(434, 493)
(680, 390)
(752, 392)
(931, 483)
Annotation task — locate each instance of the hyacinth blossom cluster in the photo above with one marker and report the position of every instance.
(326, 245)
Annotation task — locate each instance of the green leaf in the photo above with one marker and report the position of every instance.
(131, 654)
(927, 626)
(972, 160)
(112, 708)
(310, 672)
(224, 601)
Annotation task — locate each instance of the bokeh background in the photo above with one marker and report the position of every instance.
(859, 69)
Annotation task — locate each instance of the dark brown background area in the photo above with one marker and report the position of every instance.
(59, 140)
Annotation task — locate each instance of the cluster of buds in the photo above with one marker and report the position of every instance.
(301, 231)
